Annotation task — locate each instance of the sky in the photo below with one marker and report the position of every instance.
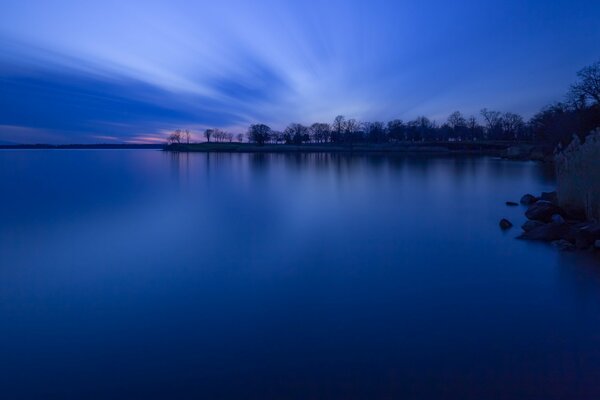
(77, 71)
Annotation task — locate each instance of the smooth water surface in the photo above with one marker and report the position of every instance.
(145, 274)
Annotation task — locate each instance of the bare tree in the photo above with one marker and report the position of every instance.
(175, 137)
(187, 135)
(259, 133)
(208, 133)
(493, 121)
(240, 137)
(352, 130)
(512, 124)
(456, 120)
(396, 130)
(296, 134)
(320, 132)
(588, 87)
(337, 128)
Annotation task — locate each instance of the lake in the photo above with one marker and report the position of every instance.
(147, 274)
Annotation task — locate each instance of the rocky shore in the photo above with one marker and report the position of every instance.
(567, 229)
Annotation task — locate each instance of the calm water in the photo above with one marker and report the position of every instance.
(142, 274)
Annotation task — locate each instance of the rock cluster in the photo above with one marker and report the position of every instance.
(566, 229)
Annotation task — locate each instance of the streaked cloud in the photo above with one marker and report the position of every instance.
(134, 69)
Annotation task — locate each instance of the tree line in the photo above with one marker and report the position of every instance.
(578, 114)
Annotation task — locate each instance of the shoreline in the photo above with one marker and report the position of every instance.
(509, 150)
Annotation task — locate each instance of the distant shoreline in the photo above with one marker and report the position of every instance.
(509, 150)
(79, 146)
(497, 148)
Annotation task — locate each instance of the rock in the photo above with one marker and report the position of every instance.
(505, 224)
(563, 245)
(592, 227)
(586, 234)
(552, 197)
(511, 203)
(543, 211)
(558, 219)
(597, 245)
(583, 239)
(547, 232)
(531, 225)
(574, 213)
(528, 199)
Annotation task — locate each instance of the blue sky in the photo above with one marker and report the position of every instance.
(115, 71)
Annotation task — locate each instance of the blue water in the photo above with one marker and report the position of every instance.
(140, 274)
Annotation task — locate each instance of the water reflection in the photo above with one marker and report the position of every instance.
(145, 274)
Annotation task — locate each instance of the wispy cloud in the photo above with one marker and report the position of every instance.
(122, 68)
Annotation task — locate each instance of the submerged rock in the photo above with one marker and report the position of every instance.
(543, 211)
(528, 199)
(531, 225)
(586, 235)
(547, 232)
(511, 203)
(505, 224)
(552, 197)
(563, 245)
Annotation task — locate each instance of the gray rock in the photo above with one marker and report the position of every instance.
(563, 245)
(558, 219)
(531, 225)
(528, 199)
(543, 211)
(505, 224)
(511, 203)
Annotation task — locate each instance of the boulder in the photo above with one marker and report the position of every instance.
(552, 197)
(574, 213)
(547, 232)
(505, 224)
(586, 235)
(543, 211)
(528, 199)
(511, 203)
(531, 225)
(557, 218)
(563, 245)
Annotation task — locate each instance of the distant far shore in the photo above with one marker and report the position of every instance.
(512, 150)
(79, 146)
(506, 149)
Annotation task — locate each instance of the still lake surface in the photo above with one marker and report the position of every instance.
(145, 274)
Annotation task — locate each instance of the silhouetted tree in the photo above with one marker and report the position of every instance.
(320, 132)
(375, 132)
(259, 133)
(587, 89)
(474, 129)
(208, 134)
(240, 137)
(296, 134)
(175, 137)
(396, 130)
(351, 131)
(493, 123)
(337, 129)
(513, 126)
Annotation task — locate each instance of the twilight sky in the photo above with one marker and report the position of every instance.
(77, 71)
